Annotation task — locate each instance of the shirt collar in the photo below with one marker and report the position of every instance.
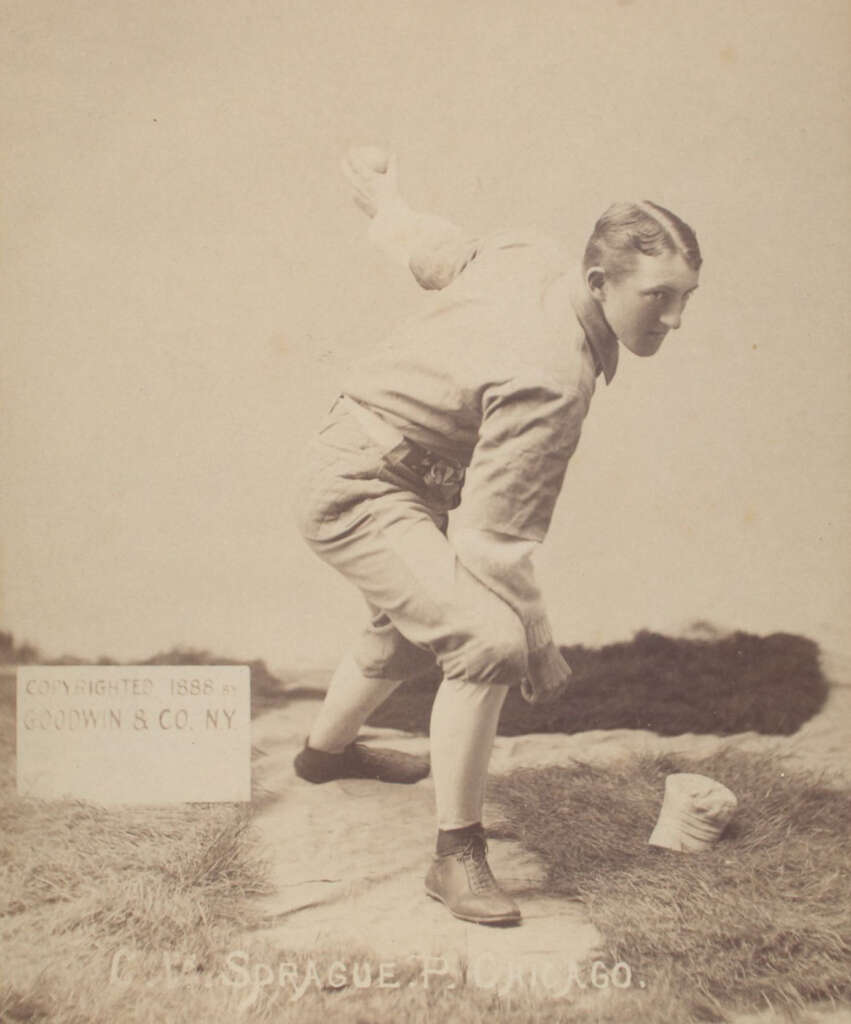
(601, 338)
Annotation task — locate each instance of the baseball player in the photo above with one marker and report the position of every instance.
(473, 406)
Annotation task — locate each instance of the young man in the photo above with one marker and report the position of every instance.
(475, 404)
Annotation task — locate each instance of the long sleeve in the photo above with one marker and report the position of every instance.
(434, 249)
(504, 565)
(530, 427)
(529, 430)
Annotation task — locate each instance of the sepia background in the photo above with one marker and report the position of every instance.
(184, 281)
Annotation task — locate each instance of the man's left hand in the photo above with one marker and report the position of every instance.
(548, 677)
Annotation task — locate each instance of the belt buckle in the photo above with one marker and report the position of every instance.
(435, 473)
(440, 473)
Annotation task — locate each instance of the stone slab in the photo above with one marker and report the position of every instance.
(349, 859)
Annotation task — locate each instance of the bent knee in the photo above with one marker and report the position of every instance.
(383, 653)
(496, 654)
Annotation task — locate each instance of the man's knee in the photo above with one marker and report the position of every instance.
(496, 653)
(383, 653)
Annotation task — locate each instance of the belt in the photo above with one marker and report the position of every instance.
(415, 463)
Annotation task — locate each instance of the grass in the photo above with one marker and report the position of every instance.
(133, 915)
(761, 919)
(669, 685)
(130, 914)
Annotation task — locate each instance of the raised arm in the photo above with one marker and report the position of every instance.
(433, 248)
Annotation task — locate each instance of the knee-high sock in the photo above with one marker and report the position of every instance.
(350, 700)
(464, 719)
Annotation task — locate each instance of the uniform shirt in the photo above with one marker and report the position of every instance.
(497, 372)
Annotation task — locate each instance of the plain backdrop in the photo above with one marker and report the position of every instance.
(184, 281)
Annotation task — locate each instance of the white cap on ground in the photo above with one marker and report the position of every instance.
(695, 812)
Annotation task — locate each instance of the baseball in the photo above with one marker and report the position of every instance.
(373, 157)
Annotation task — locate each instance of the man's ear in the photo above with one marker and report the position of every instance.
(595, 278)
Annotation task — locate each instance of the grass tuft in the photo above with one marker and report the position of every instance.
(761, 919)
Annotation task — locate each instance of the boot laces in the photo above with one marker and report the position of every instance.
(478, 869)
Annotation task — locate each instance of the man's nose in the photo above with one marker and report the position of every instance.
(673, 317)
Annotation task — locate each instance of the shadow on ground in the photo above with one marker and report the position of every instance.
(707, 683)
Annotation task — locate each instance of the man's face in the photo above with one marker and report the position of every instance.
(647, 301)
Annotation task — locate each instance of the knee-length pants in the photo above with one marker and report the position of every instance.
(390, 541)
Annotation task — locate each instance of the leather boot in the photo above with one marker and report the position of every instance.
(464, 882)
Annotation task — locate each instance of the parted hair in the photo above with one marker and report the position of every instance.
(645, 227)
